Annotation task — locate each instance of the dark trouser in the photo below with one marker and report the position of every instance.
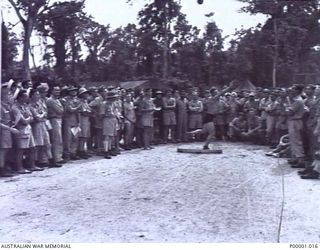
(182, 127)
(56, 139)
(295, 128)
(147, 136)
(139, 136)
(309, 141)
(3, 156)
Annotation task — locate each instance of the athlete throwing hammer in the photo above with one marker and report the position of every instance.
(209, 129)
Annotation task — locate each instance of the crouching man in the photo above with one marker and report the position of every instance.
(255, 132)
(238, 127)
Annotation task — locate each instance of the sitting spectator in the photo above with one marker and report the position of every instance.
(283, 148)
(255, 132)
(238, 127)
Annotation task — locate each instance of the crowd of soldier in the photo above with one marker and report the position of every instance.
(47, 127)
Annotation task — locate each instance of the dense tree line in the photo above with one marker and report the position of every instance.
(164, 45)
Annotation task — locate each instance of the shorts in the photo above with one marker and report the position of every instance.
(169, 118)
(195, 121)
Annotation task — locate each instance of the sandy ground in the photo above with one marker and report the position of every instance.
(163, 196)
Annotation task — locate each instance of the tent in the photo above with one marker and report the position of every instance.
(133, 84)
(246, 85)
(152, 83)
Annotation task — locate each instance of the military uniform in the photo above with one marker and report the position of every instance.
(195, 108)
(129, 121)
(310, 125)
(182, 118)
(40, 131)
(255, 132)
(55, 114)
(96, 122)
(271, 121)
(22, 119)
(169, 117)
(5, 134)
(237, 127)
(109, 122)
(147, 109)
(84, 119)
(281, 126)
(296, 111)
(70, 126)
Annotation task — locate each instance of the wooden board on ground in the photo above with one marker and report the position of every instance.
(199, 151)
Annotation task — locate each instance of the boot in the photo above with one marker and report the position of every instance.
(311, 176)
(293, 161)
(74, 157)
(53, 164)
(299, 164)
(82, 155)
(35, 169)
(112, 153)
(5, 173)
(306, 171)
(23, 171)
(107, 155)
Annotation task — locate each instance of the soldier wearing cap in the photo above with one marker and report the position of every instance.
(263, 103)
(118, 110)
(85, 113)
(55, 114)
(130, 119)
(251, 103)
(310, 121)
(281, 126)
(70, 124)
(138, 102)
(182, 115)
(96, 120)
(6, 131)
(158, 118)
(40, 128)
(313, 171)
(109, 123)
(233, 108)
(217, 107)
(238, 127)
(255, 132)
(271, 119)
(146, 110)
(295, 113)
(169, 116)
(24, 141)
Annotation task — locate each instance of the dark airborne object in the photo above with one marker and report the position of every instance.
(200, 1)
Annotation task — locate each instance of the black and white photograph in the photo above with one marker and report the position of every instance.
(160, 121)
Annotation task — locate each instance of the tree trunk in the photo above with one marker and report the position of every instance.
(60, 54)
(165, 47)
(74, 54)
(26, 75)
(276, 53)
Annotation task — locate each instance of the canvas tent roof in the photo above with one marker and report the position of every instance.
(244, 85)
(132, 84)
(154, 84)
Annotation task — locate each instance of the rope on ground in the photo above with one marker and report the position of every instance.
(282, 203)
